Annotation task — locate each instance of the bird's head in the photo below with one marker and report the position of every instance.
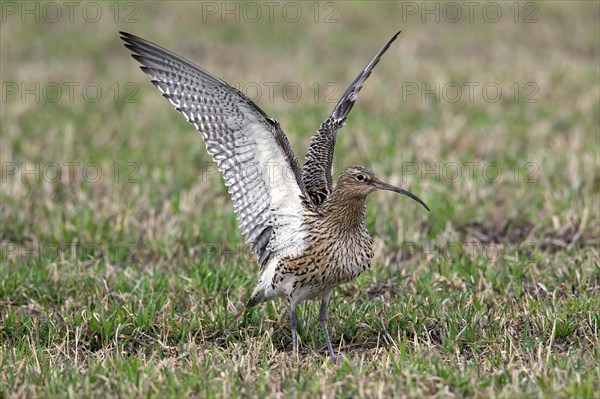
(358, 182)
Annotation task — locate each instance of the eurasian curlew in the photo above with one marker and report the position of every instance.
(309, 235)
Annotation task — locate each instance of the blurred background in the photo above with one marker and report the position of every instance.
(488, 111)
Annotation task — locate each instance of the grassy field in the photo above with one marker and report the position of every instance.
(121, 264)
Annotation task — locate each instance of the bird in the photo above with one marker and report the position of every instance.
(309, 236)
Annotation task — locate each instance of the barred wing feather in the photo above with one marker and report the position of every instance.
(251, 151)
(317, 169)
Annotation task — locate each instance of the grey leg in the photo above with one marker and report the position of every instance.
(323, 319)
(293, 327)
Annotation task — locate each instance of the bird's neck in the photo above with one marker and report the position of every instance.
(348, 214)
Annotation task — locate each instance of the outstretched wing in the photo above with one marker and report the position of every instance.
(317, 171)
(250, 149)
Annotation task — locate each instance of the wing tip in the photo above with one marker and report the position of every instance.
(133, 43)
(129, 38)
(346, 102)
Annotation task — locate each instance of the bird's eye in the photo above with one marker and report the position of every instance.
(360, 178)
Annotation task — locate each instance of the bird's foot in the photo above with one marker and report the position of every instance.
(335, 359)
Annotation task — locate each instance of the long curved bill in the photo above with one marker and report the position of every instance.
(384, 186)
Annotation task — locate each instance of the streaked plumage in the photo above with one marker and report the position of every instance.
(309, 236)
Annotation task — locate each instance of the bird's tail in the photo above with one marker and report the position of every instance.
(255, 299)
(258, 296)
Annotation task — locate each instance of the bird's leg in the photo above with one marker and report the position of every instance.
(293, 327)
(323, 319)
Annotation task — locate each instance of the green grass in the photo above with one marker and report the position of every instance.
(128, 284)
